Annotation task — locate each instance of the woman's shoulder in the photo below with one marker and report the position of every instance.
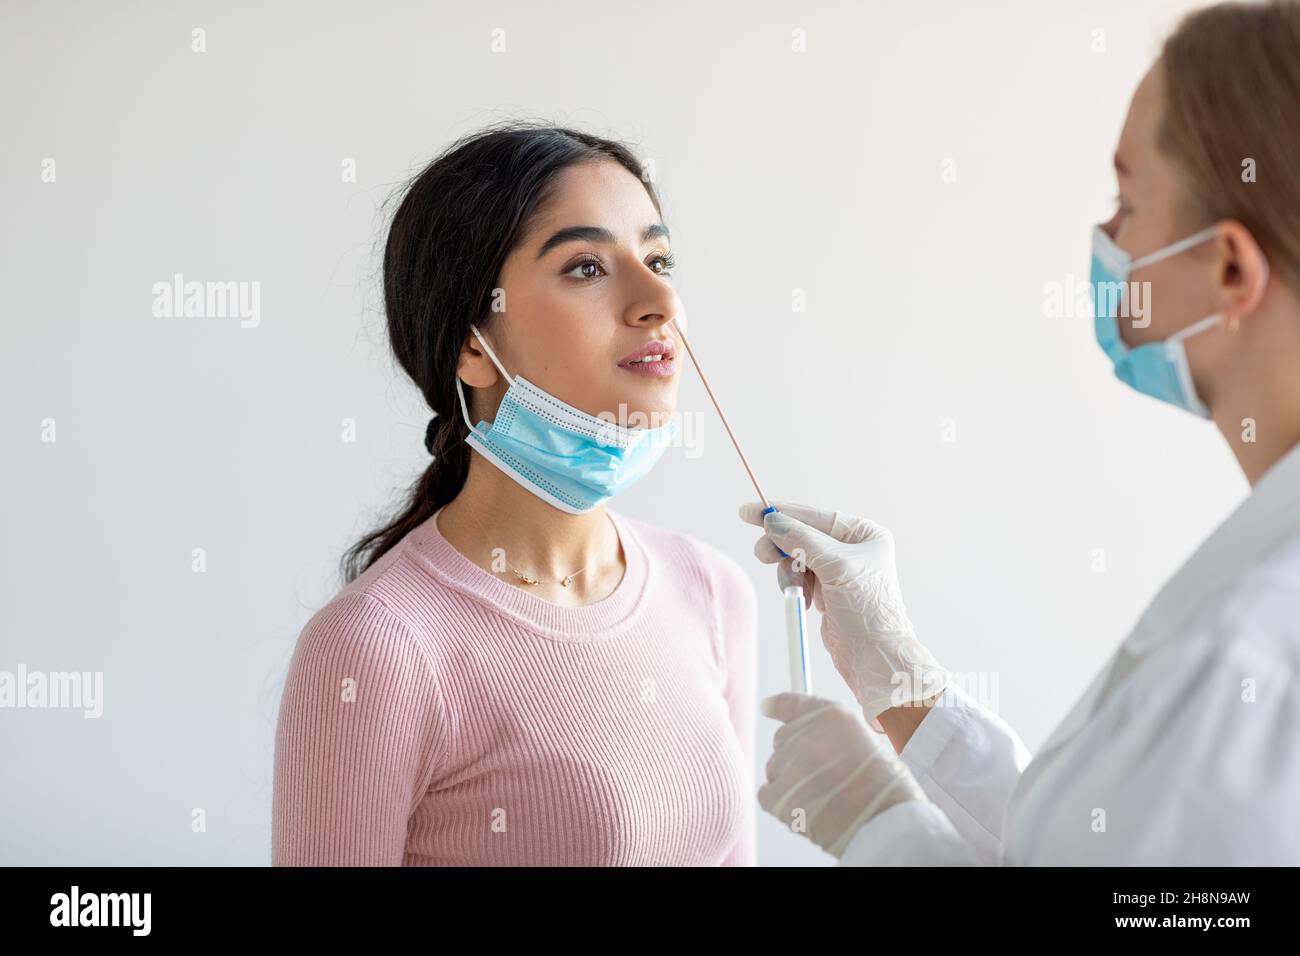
(1259, 614)
(357, 631)
(368, 621)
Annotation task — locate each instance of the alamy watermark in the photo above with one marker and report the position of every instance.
(179, 299)
(73, 690)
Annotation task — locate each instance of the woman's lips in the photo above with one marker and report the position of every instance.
(654, 359)
(660, 369)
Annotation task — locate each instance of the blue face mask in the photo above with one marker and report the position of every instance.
(1158, 369)
(564, 456)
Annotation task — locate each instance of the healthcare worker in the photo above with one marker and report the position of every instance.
(1185, 749)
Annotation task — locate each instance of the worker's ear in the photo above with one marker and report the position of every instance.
(473, 366)
(1243, 271)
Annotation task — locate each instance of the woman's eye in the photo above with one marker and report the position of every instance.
(591, 269)
(667, 262)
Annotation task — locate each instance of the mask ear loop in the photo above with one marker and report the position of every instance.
(1201, 326)
(1173, 249)
(460, 391)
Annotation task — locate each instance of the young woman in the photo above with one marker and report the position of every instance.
(515, 674)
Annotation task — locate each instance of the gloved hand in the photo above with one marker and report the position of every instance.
(846, 566)
(827, 764)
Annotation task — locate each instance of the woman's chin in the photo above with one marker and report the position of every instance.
(643, 411)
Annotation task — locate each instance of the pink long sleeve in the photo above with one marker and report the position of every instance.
(357, 740)
(435, 714)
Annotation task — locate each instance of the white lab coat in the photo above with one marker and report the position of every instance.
(1184, 750)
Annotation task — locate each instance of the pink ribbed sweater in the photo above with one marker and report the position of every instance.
(436, 715)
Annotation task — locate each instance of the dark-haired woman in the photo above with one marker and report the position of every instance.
(514, 674)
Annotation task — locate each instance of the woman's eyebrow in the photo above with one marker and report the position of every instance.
(597, 234)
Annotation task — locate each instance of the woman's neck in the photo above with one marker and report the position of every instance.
(501, 526)
(1256, 405)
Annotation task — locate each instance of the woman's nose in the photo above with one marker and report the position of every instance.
(652, 319)
(1112, 226)
(655, 305)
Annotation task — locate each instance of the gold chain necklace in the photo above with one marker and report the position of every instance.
(564, 582)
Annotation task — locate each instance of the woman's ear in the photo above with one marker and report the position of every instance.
(1245, 275)
(473, 365)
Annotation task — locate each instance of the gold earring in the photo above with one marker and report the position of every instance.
(1234, 323)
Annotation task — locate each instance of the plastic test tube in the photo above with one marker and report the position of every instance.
(797, 638)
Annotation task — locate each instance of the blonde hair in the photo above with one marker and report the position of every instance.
(1231, 95)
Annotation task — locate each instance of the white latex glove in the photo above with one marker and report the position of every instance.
(846, 567)
(829, 774)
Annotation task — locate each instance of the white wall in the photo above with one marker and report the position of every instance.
(820, 171)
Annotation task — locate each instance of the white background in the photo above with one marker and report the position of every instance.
(820, 171)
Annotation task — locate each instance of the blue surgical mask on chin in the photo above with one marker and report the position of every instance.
(564, 456)
(1158, 369)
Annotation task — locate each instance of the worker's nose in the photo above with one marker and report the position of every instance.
(1111, 227)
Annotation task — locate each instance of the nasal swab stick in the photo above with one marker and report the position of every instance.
(713, 398)
(768, 507)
